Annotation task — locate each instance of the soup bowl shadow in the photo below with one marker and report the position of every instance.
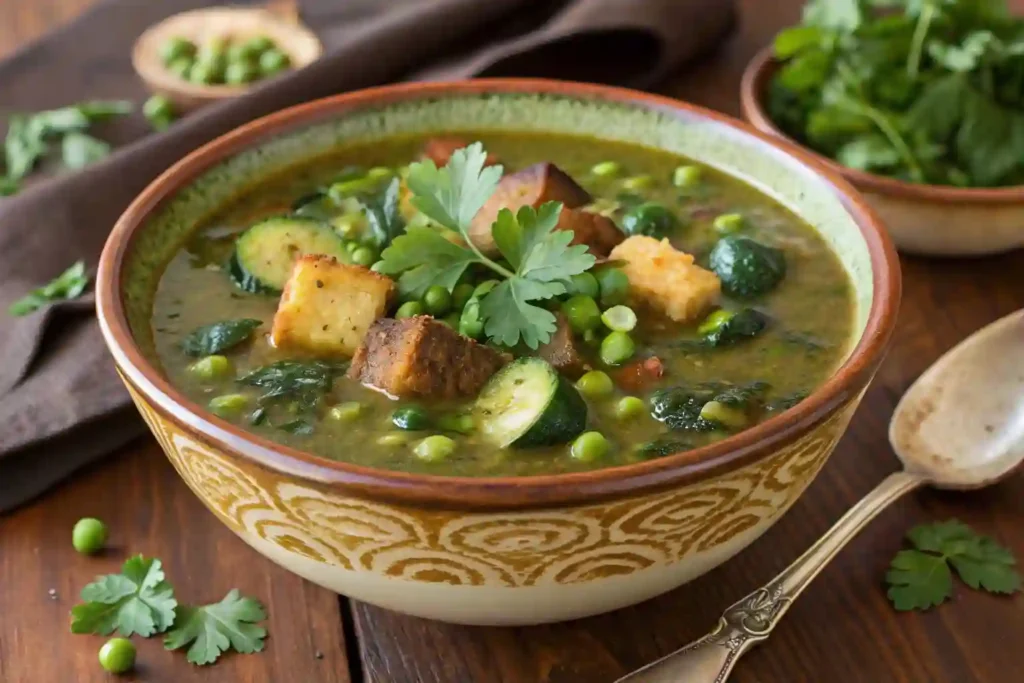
(495, 551)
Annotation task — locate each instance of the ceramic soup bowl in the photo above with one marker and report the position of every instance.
(499, 550)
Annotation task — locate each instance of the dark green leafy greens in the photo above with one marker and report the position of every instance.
(382, 215)
(303, 382)
(217, 337)
(662, 446)
(680, 407)
(68, 285)
(746, 267)
(649, 218)
(932, 92)
(211, 630)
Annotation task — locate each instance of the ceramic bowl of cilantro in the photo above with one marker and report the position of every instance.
(479, 352)
(920, 105)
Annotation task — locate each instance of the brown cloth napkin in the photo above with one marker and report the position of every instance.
(61, 404)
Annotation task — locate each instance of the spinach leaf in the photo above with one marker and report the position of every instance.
(217, 337)
(662, 446)
(304, 382)
(680, 407)
(382, 215)
(747, 267)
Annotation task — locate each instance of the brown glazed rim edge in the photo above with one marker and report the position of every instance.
(752, 85)
(493, 493)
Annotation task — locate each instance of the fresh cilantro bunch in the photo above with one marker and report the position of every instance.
(537, 263)
(921, 578)
(928, 91)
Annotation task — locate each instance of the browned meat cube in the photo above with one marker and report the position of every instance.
(422, 357)
(440, 149)
(598, 232)
(531, 186)
(561, 351)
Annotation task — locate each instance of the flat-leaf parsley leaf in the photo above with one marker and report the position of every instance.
(213, 629)
(138, 600)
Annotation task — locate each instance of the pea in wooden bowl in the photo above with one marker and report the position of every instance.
(494, 550)
(930, 220)
(299, 43)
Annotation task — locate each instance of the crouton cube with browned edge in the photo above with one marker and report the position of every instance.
(440, 149)
(532, 186)
(327, 306)
(422, 357)
(598, 232)
(666, 279)
(561, 352)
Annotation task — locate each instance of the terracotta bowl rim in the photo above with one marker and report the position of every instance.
(490, 493)
(752, 87)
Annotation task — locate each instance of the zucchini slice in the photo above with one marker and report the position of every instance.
(264, 254)
(526, 404)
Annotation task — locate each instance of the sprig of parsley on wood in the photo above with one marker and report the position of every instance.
(141, 601)
(930, 91)
(538, 260)
(922, 577)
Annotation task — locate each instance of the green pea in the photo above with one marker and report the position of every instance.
(725, 415)
(206, 72)
(211, 368)
(228, 405)
(117, 655)
(259, 44)
(582, 313)
(364, 256)
(605, 169)
(584, 284)
(590, 446)
(715, 321)
(470, 323)
(349, 225)
(89, 535)
(345, 412)
(393, 439)
(409, 309)
(177, 48)
(619, 319)
(434, 448)
(461, 295)
(410, 418)
(728, 223)
(180, 67)
(159, 111)
(243, 52)
(463, 424)
(379, 173)
(214, 47)
(614, 286)
(595, 385)
(351, 247)
(651, 219)
(617, 348)
(630, 407)
(687, 176)
(437, 300)
(239, 73)
(273, 61)
(637, 182)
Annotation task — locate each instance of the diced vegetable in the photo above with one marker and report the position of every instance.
(681, 407)
(619, 319)
(746, 267)
(434, 448)
(265, 253)
(211, 368)
(345, 412)
(228, 405)
(728, 223)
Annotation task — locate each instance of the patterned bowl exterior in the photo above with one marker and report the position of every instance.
(511, 568)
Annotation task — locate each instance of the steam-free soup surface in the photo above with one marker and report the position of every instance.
(806, 318)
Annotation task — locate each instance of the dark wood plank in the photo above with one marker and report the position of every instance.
(843, 628)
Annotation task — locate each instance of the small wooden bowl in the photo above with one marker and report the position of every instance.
(199, 26)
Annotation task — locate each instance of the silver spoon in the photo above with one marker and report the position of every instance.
(960, 426)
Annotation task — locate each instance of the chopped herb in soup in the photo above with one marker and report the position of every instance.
(547, 304)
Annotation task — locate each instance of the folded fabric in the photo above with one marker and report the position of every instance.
(61, 403)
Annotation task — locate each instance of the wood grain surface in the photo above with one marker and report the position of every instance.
(841, 630)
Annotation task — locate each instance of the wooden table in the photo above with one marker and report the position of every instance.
(842, 629)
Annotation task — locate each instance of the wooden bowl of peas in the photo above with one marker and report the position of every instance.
(205, 55)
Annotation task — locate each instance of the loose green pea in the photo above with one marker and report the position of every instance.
(273, 61)
(582, 313)
(470, 323)
(348, 225)
(437, 300)
(177, 48)
(619, 319)
(461, 295)
(364, 256)
(228, 405)
(605, 169)
(715, 321)
(590, 446)
(379, 173)
(394, 439)
(728, 223)
(211, 368)
(584, 284)
(725, 415)
(258, 44)
(434, 448)
(617, 348)
(637, 182)
(180, 67)
(206, 72)
(89, 535)
(595, 385)
(463, 424)
(630, 407)
(614, 286)
(159, 111)
(117, 655)
(345, 412)
(239, 73)
(409, 309)
(351, 247)
(687, 176)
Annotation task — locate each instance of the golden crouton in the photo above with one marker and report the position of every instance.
(665, 279)
(327, 307)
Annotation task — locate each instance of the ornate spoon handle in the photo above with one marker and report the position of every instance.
(751, 620)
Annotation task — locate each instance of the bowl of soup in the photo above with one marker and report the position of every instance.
(498, 351)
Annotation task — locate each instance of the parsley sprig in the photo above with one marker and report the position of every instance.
(538, 260)
(921, 578)
(216, 628)
(68, 285)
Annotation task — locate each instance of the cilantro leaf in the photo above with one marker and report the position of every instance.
(214, 629)
(452, 195)
(920, 578)
(508, 315)
(138, 600)
(424, 258)
(68, 285)
(990, 140)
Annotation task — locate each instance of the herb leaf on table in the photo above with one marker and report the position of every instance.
(138, 600)
(216, 628)
(68, 285)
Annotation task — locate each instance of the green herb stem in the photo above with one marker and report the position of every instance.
(924, 22)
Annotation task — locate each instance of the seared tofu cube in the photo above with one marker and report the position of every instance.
(665, 279)
(327, 306)
(440, 149)
(532, 186)
(561, 352)
(598, 232)
(422, 357)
